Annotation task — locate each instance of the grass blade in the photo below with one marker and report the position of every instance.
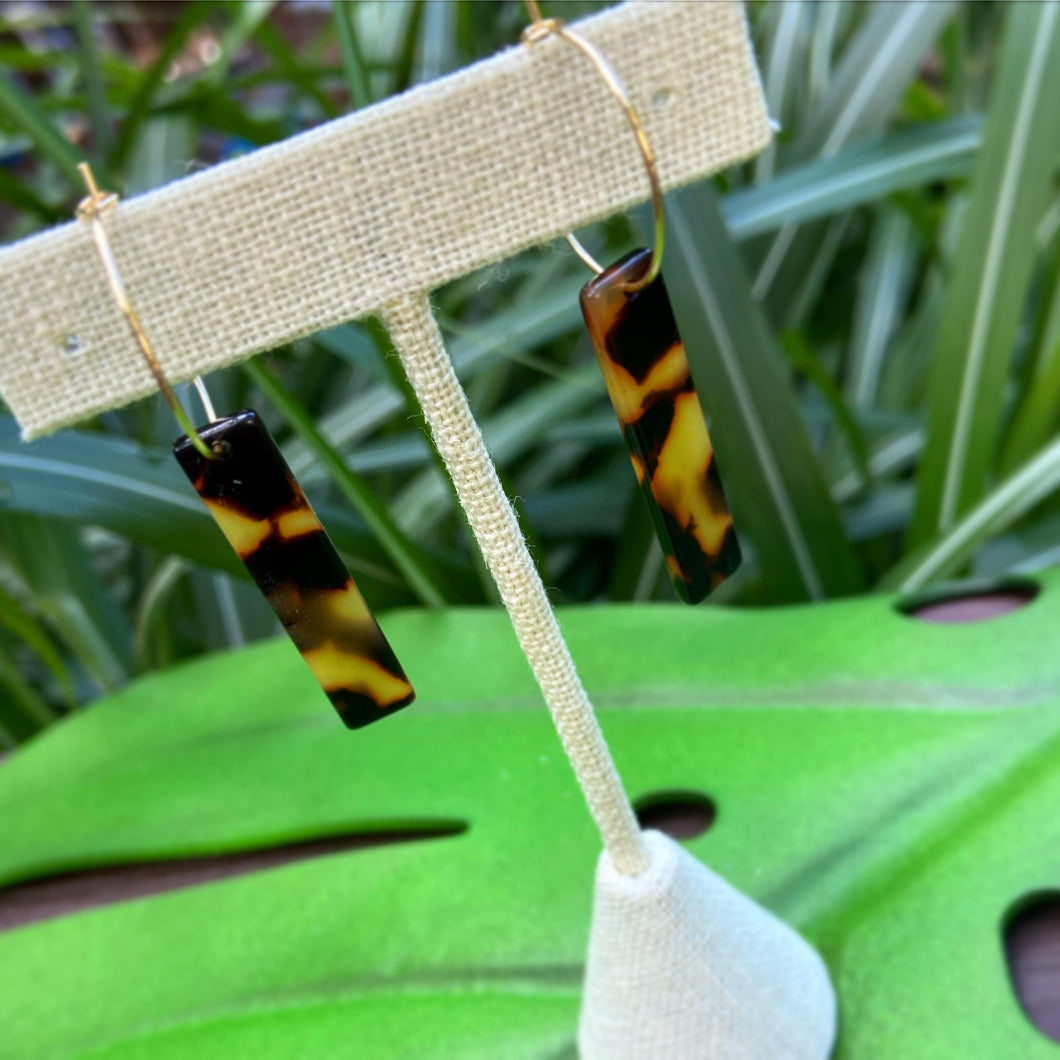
(783, 68)
(70, 595)
(92, 77)
(286, 65)
(1011, 187)
(883, 293)
(508, 435)
(24, 113)
(23, 198)
(141, 494)
(156, 594)
(245, 18)
(1037, 415)
(358, 80)
(861, 173)
(152, 80)
(871, 76)
(998, 510)
(804, 359)
(405, 56)
(23, 711)
(30, 632)
(825, 29)
(770, 470)
(509, 333)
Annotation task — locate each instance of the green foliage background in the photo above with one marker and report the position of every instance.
(872, 310)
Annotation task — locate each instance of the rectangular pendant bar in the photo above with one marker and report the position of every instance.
(646, 371)
(262, 511)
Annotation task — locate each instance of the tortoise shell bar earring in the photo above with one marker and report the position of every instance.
(262, 511)
(648, 379)
(238, 470)
(633, 330)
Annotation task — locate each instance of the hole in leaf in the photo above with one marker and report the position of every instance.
(969, 602)
(680, 814)
(1032, 949)
(72, 892)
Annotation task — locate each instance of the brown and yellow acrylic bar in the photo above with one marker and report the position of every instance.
(650, 385)
(252, 494)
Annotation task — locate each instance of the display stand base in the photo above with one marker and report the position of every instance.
(682, 966)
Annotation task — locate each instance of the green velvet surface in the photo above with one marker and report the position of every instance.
(886, 785)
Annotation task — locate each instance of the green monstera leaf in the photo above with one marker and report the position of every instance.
(886, 785)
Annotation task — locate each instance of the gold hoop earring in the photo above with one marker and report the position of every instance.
(631, 323)
(240, 474)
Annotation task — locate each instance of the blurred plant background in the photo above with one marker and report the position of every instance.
(872, 309)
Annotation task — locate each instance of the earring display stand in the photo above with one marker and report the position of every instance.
(496, 528)
(361, 216)
(396, 199)
(367, 215)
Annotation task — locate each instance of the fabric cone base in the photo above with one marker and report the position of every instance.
(682, 966)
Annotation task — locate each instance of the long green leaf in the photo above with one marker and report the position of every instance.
(1038, 414)
(408, 47)
(783, 68)
(770, 471)
(70, 594)
(806, 361)
(92, 77)
(869, 79)
(25, 199)
(895, 777)
(152, 601)
(420, 573)
(999, 509)
(141, 494)
(20, 109)
(508, 435)
(826, 27)
(358, 80)
(23, 711)
(153, 78)
(269, 38)
(106, 482)
(883, 292)
(892, 454)
(860, 173)
(1010, 190)
(871, 75)
(28, 630)
(509, 333)
(244, 20)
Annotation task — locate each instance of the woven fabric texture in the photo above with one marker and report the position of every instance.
(399, 198)
(682, 966)
(457, 437)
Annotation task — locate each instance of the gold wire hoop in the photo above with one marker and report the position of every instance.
(93, 209)
(538, 30)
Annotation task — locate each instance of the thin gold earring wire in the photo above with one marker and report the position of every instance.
(540, 28)
(92, 209)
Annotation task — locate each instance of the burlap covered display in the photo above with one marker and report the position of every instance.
(395, 199)
(682, 966)
(368, 215)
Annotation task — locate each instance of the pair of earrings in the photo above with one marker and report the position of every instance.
(238, 470)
